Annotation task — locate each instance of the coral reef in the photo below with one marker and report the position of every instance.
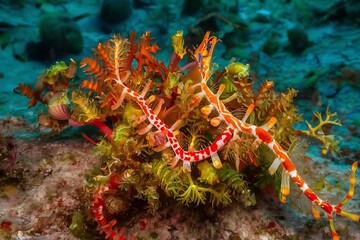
(161, 123)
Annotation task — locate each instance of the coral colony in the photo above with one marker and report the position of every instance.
(182, 131)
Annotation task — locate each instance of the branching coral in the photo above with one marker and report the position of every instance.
(161, 124)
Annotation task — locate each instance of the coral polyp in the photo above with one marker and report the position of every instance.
(181, 131)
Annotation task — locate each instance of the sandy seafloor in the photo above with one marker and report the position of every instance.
(52, 170)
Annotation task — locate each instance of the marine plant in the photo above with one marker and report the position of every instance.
(184, 131)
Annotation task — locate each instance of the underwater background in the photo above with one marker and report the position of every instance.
(46, 172)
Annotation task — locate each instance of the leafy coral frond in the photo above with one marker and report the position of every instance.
(104, 148)
(85, 109)
(318, 132)
(207, 173)
(25, 90)
(56, 70)
(151, 196)
(193, 194)
(52, 81)
(235, 180)
(119, 50)
(221, 197)
(169, 178)
(91, 85)
(103, 51)
(93, 67)
(178, 44)
(28, 92)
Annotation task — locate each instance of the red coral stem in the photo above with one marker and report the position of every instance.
(105, 129)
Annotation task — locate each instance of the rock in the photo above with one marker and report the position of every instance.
(298, 39)
(192, 7)
(116, 11)
(237, 37)
(271, 45)
(325, 10)
(263, 16)
(61, 33)
(353, 10)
